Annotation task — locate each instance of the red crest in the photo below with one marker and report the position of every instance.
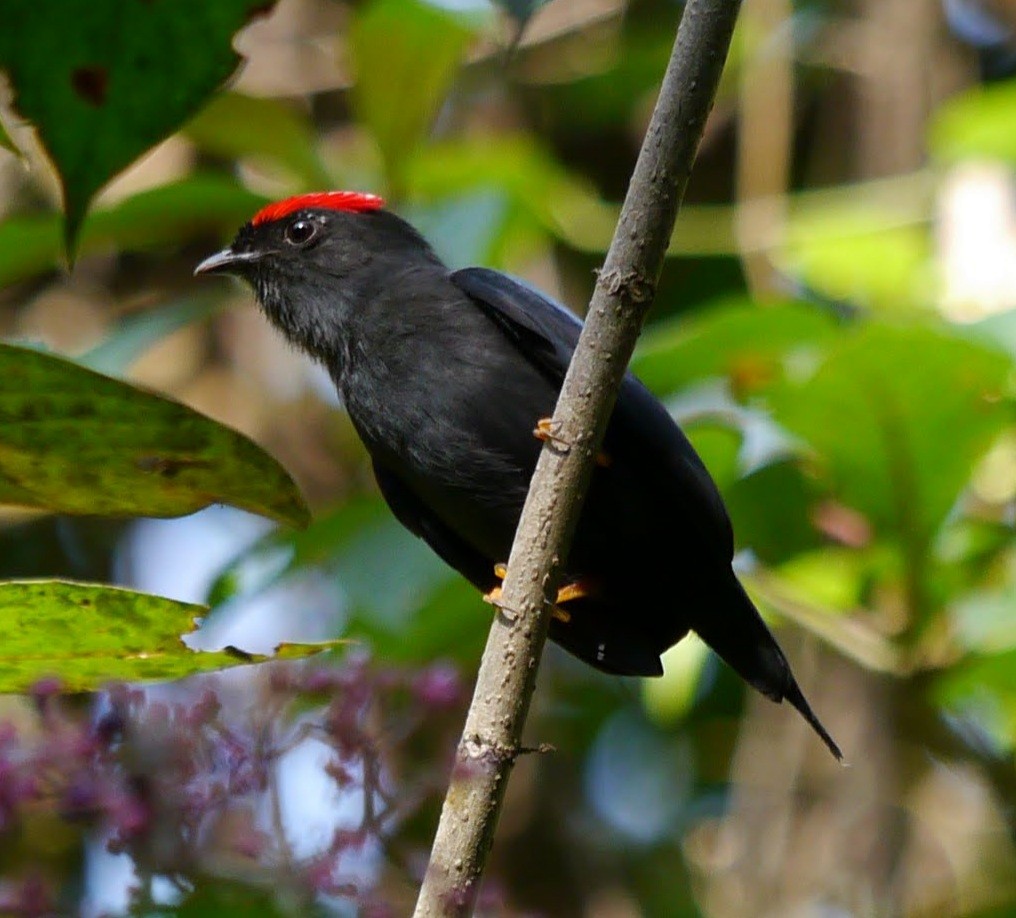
(350, 201)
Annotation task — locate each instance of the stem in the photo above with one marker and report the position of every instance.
(491, 738)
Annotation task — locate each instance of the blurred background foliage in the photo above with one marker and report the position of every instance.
(835, 329)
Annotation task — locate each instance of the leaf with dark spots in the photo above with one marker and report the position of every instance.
(106, 634)
(105, 80)
(91, 83)
(74, 441)
(169, 467)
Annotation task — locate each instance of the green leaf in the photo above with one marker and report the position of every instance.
(978, 123)
(156, 218)
(105, 80)
(746, 343)
(234, 126)
(73, 441)
(899, 416)
(860, 254)
(89, 634)
(406, 54)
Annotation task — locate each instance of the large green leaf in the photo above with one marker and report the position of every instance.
(87, 635)
(105, 80)
(899, 416)
(73, 441)
(406, 54)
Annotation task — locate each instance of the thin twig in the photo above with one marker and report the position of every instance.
(491, 740)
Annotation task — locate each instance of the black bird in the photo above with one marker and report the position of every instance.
(445, 375)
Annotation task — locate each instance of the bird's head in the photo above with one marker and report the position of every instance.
(314, 258)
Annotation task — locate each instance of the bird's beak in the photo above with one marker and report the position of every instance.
(225, 262)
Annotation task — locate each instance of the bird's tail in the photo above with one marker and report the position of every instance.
(735, 630)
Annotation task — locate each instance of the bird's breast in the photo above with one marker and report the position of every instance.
(458, 431)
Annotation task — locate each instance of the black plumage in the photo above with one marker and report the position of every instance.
(445, 375)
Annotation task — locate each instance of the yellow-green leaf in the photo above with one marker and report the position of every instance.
(74, 441)
(87, 635)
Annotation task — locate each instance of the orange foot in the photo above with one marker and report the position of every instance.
(546, 432)
(577, 589)
(571, 591)
(574, 590)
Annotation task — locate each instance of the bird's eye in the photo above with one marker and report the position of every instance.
(300, 232)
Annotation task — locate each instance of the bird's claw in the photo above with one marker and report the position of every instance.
(560, 614)
(577, 589)
(570, 591)
(546, 431)
(493, 596)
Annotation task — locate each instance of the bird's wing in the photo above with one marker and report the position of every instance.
(543, 330)
(414, 514)
(640, 429)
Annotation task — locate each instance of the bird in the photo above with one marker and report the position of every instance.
(449, 377)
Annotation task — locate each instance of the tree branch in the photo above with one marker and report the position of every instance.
(624, 291)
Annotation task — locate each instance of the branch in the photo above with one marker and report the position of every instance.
(624, 291)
